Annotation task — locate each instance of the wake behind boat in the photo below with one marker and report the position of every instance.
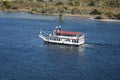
(59, 36)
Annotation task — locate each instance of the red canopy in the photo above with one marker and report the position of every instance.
(67, 33)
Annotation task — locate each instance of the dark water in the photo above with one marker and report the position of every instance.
(24, 56)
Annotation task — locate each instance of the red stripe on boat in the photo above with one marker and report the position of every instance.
(67, 33)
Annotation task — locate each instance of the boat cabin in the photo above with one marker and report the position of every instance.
(65, 36)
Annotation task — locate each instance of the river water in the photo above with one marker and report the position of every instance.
(24, 56)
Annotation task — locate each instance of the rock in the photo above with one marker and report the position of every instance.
(101, 17)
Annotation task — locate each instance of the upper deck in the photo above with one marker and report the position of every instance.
(69, 33)
(66, 34)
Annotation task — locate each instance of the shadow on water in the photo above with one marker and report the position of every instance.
(66, 48)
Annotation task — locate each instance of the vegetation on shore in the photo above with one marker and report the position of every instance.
(103, 9)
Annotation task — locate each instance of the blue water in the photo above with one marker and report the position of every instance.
(24, 56)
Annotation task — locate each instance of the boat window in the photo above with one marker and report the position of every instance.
(68, 40)
(75, 41)
(55, 38)
(58, 39)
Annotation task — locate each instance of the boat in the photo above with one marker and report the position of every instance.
(59, 36)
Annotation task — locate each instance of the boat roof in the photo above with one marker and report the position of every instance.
(67, 32)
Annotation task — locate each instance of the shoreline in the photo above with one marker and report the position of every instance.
(92, 17)
(54, 14)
